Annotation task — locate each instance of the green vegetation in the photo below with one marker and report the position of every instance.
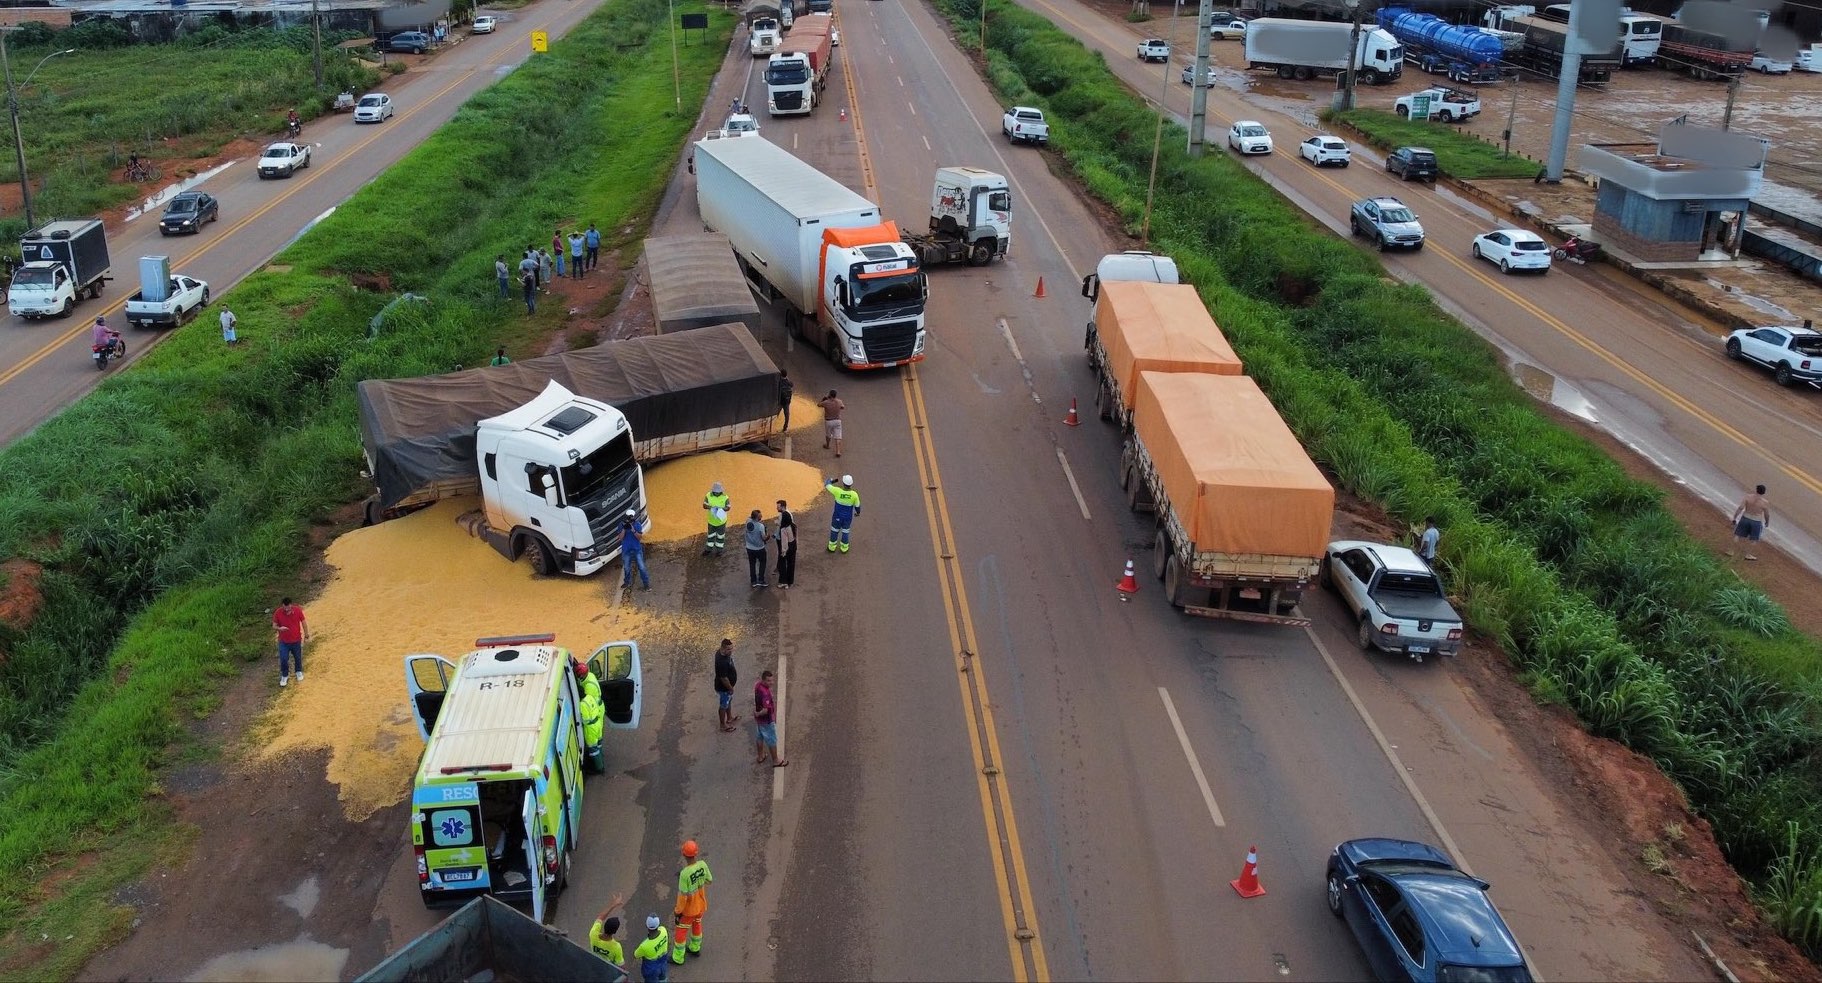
(173, 103)
(1578, 572)
(1459, 154)
(172, 505)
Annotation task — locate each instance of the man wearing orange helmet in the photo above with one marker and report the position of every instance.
(692, 904)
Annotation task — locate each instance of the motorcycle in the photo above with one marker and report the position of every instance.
(115, 348)
(294, 128)
(1578, 250)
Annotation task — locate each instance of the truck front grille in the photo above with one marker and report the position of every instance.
(890, 342)
(788, 100)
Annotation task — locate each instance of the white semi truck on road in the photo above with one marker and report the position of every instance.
(850, 285)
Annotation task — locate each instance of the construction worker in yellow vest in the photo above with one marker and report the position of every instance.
(692, 904)
(716, 504)
(847, 506)
(594, 716)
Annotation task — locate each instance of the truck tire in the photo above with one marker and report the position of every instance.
(205, 298)
(1304, 73)
(1364, 635)
(543, 561)
(95, 289)
(1160, 553)
(1447, 116)
(1173, 580)
(793, 323)
(1403, 112)
(68, 306)
(1135, 492)
(980, 255)
(1370, 76)
(1284, 71)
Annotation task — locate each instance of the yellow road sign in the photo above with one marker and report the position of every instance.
(540, 41)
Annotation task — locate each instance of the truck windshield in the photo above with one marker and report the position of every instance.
(33, 278)
(788, 73)
(872, 294)
(600, 474)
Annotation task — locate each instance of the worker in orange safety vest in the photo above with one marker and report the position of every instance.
(692, 904)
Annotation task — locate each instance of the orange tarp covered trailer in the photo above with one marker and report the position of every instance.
(1154, 327)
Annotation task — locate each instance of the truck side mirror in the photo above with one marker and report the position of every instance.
(1091, 286)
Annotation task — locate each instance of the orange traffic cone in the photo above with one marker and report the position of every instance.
(1129, 584)
(1040, 290)
(1072, 420)
(1247, 884)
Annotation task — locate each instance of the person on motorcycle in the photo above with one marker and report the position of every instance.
(104, 336)
(293, 123)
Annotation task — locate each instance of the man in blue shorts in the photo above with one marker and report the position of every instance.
(725, 678)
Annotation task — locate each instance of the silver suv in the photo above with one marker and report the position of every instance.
(1390, 223)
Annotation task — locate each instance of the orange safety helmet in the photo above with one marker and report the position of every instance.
(689, 849)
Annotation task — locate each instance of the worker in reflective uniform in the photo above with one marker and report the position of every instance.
(847, 506)
(716, 504)
(692, 904)
(650, 953)
(594, 715)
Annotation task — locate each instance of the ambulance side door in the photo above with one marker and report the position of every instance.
(616, 665)
(427, 679)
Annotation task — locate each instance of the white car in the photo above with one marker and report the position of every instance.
(1188, 75)
(834, 39)
(1221, 30)
(374, 107)
(1792, 354)
(740, 125)
(1154, 49)
(1513, 249)
(1323, 150)
(1809, 59)
(1762, 62)
(483, 24)
(283, 160)
(1249, 136)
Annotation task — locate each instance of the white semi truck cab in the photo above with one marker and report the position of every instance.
(557, 476)
(764, 39)
(970, 218)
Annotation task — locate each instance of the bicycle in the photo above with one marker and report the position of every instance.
(140, 171)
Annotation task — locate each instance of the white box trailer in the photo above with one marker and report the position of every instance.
(851, 286)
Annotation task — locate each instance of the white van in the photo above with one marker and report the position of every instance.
(1134, 264)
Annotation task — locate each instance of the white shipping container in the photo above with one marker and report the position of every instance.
(773, 207)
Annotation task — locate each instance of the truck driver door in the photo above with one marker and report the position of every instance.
(427, 680)
(616, 665)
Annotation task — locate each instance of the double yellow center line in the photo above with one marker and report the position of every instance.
(1012, 884)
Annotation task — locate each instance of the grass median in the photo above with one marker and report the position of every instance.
(1459, 154)
(173, 103)
(1579, 572)
(167, 509)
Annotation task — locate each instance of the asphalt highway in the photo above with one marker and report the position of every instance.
(1595, 343)
(45, 365)
(998, 769)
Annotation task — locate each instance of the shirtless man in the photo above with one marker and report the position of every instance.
(1751, 519)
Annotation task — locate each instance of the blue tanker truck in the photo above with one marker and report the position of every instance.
(1465, 54)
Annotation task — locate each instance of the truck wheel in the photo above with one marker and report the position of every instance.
(563, 869)
(1404, 112)
(95, 290)
(1370, 76)
(833, 349)
(1104, 399)
(1447, 116)
(1733, 344)
(1782, 374)
(205, 297)
(1173, 580)
(68, 306)
(1304, 74)
(1160, 553)
(371, 513)
(1284, 71)
(1135, 491)
(793, 323)
(543, 562)
(980, 255)
(1365, 634)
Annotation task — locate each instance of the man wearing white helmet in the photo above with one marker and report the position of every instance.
(847, 506)
(654, 954)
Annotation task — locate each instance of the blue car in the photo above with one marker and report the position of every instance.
(1417, 917)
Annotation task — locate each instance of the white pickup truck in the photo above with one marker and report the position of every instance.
(1446, 105)
(1024, 124)
(1395, 597)
(185, 297)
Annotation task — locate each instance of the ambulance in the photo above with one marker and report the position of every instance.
(497, 802)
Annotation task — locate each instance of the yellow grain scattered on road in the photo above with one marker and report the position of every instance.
(805, 413)
(421, 584)
(674, 490)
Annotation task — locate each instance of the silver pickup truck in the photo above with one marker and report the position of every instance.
(185, 296)
(1394, 597)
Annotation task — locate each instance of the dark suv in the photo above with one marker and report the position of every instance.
(1412, 164)
(415, 42)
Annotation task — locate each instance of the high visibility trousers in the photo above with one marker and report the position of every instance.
(718, 537)
(838, 534)
(686, 938)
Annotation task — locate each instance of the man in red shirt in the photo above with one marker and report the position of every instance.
(293, 632)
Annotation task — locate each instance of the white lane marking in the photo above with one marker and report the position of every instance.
(793, 141)
(926, 142)
(778, 730)
(911, 107)
(901, 81)
(992, 142)
(1030, 381)
(1195, 766)
(1073, 487)
(1391, 753)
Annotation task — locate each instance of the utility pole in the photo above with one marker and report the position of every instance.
(1733, 92)
(1157, 138)
(983, 32)
(1353, 70)
(316, 42)
(12, 107)
(1511, 111)
(1198, 90)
